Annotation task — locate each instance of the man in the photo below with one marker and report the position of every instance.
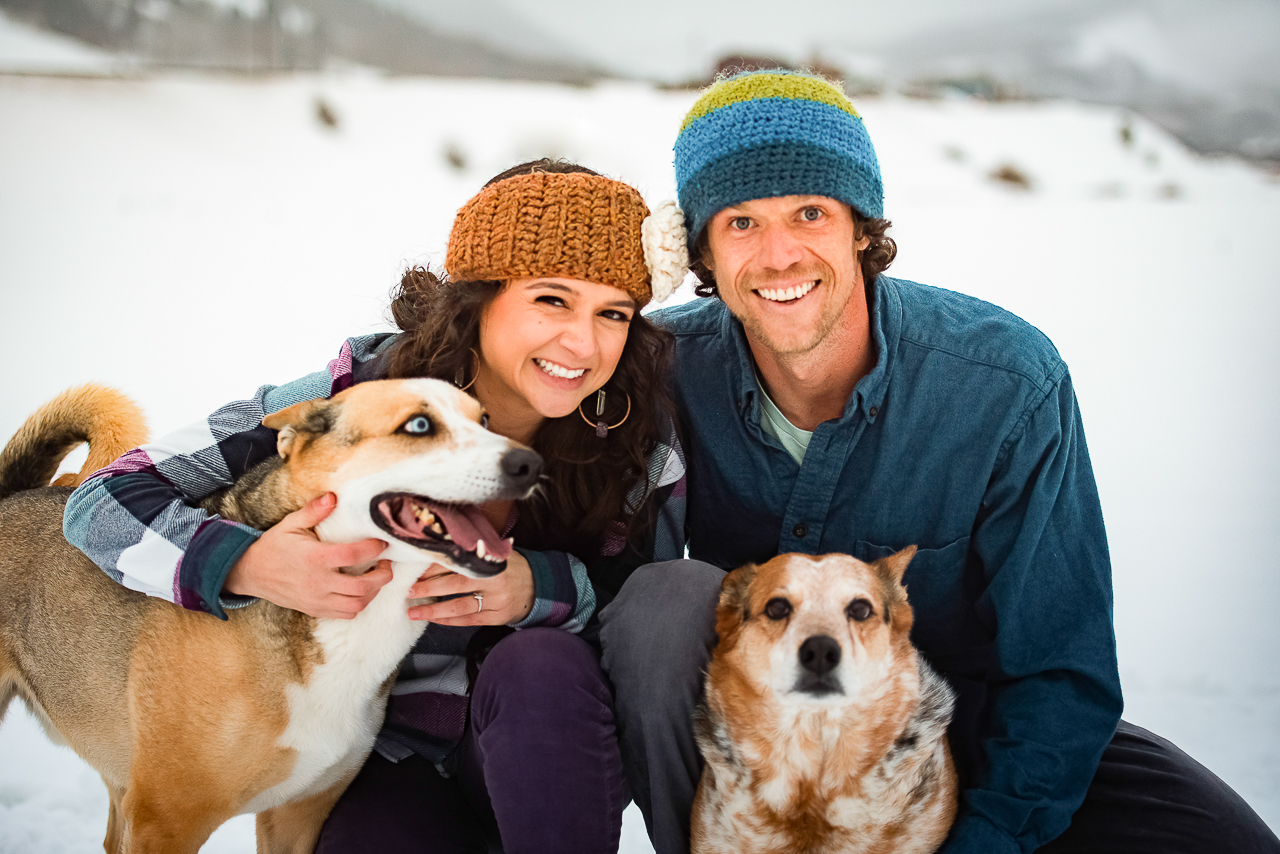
(828, 408)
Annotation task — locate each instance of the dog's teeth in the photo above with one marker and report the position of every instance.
(449, 538)
(437, 528)
(480, 548)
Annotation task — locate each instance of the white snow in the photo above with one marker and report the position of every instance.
(188, 238)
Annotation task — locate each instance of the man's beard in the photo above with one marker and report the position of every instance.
(799, 341)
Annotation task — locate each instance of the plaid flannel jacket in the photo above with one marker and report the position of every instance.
(136, 519)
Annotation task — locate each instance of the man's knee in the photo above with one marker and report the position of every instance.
(663, 620)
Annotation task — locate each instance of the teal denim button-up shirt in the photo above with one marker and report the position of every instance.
(966, 441)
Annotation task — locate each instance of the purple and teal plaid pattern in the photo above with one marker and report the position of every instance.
(136, 519)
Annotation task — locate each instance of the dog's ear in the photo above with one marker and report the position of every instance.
(890, 571)
(305, 417)
(893, 567)
(734, 595)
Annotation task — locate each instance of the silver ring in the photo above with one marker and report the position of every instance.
(479, 601)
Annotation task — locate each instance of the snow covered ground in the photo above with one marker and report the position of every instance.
(187, 238)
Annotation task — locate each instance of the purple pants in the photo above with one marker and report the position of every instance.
(539, 768)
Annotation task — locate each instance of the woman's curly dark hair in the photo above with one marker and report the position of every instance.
(587, 479)
(873, 260)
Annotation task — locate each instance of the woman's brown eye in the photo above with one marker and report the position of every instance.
(860, 609)
(777, 609)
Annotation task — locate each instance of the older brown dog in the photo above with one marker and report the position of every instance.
(191, 720)
(822, 730)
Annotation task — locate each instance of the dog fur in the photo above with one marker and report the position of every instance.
(822, 728)
(191, 720)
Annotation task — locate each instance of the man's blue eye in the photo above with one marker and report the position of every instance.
(810, 214)
(741, 223)
(417, 426)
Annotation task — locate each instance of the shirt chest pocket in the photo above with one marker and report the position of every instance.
(935, 582)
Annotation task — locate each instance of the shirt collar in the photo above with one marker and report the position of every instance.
(886, 330)
(744, 377)
(868, 396)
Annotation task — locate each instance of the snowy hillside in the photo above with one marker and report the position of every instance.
(187, 239)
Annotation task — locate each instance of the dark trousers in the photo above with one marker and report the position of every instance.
(1147, 795)
(1150, 796)
(538, 770)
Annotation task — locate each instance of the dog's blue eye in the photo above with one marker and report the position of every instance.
(484, 421)
(860, 609)
(418, 426)
(777, 609)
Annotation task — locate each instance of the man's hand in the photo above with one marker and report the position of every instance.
(508, 596)
(288, 565)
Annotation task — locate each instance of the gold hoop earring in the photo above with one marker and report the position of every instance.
(602, 429)
(457, 378)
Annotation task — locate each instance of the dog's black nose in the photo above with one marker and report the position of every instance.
(819, 654)
(522, 467)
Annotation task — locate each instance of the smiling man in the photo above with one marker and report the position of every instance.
(826, 407)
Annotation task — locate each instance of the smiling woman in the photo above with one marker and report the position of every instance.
(553, 342)
(538, 319)
(504, 325)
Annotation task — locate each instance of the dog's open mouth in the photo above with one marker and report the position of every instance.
(459, 531)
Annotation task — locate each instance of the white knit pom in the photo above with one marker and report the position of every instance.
(666, 251)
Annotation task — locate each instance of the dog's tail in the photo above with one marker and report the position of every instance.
(110, 422)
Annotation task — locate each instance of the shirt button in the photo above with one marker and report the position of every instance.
(874, 410)
(800, 530)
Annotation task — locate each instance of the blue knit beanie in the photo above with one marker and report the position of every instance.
(773, 133)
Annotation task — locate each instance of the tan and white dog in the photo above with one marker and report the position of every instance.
(822, 728)
(191, 720)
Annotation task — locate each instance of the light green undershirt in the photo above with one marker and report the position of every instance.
(794, 440)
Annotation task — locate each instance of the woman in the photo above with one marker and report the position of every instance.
(539, 319)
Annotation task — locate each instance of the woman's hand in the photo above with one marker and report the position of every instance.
(508, 596)
(288, 565)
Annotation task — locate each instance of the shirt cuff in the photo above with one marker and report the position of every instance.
(556, 591)
(207, 562)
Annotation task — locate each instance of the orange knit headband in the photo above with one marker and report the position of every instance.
(570, 225)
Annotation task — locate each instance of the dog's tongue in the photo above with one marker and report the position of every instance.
(468, 527)
(465, 524)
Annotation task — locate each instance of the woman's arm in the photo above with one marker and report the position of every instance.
(138, 518)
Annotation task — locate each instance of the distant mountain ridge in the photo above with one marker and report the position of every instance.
(1209, 75)
(270, 35)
